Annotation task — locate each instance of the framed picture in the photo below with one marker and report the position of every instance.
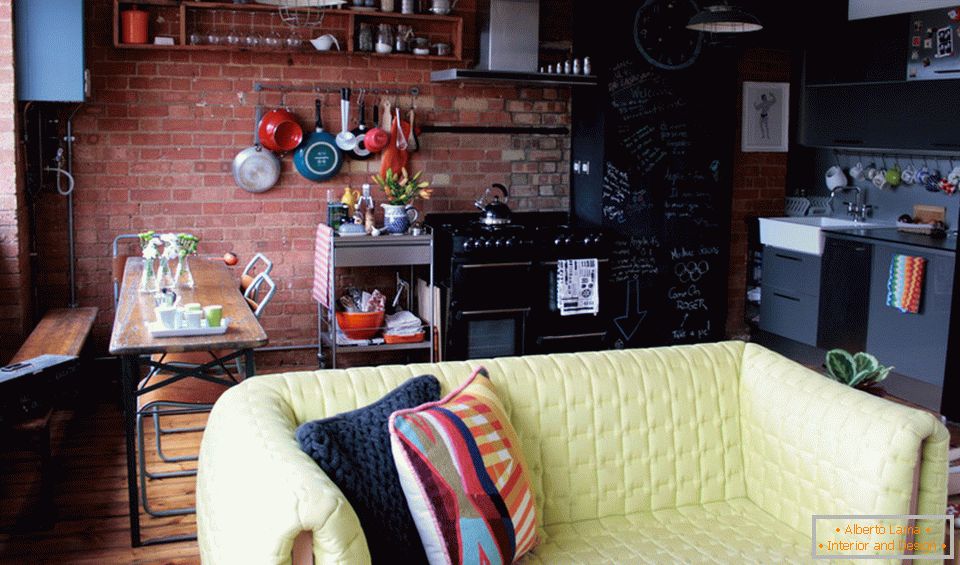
(766, 117)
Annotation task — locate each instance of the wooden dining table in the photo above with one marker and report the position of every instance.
(132, 341)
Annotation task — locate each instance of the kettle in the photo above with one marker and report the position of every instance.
(495, 213)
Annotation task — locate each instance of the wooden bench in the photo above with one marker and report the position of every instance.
(62, 331)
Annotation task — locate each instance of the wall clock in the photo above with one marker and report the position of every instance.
(661, 34)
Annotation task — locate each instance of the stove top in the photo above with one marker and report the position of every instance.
(531, 236)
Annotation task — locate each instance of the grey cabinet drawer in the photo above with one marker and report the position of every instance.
(796, 273)
(788, 314)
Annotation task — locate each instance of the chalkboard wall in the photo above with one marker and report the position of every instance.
(663, 183)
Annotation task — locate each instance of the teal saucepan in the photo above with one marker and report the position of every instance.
(318, 158)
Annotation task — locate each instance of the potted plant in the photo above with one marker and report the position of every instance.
(400, 190)
(861, 371)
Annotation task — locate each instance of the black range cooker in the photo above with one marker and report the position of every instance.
(499, 285)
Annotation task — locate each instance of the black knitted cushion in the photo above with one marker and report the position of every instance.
(353, 448)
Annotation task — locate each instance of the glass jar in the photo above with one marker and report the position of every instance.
(365, 38)
(384, 39)
(404, 33)
(148, 279)
(387, 5)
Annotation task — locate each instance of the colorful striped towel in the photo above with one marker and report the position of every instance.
(905, 286)
(322, 253)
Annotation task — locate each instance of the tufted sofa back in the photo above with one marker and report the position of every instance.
(605, 433)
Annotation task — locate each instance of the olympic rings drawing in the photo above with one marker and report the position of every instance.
(691, 271)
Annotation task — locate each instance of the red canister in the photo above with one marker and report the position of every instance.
(134, 25)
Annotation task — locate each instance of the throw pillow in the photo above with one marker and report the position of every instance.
(353, 448)
(463, 473)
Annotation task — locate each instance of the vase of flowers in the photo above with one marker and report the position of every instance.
(400, 190)
(167, 254)
(149, 244)
(186, 246)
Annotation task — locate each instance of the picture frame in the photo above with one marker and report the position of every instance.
(765, 126)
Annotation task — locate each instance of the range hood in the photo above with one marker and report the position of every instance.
(510, 49)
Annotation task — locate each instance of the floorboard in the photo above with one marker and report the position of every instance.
(90, 523)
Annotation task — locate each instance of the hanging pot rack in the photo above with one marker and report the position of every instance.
(284, 88)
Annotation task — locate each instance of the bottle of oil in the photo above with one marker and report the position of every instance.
(366, 204)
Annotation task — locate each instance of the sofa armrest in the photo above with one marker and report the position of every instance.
(814, 446)
(257, 491)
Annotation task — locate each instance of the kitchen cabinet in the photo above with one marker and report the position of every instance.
(916, 344)
(845, 281)
(863, 51)
(790, 296)
(876, 116)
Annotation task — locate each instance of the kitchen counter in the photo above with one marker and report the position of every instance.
(892, 235)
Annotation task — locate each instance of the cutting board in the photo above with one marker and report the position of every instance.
(925, 214)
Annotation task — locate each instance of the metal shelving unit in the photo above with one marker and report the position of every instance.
(383, 251)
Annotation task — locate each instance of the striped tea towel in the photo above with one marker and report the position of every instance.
(905, 286)
(321, 265)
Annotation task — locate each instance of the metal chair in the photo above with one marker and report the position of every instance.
(187, 396)
(119, 263)
(248, 274)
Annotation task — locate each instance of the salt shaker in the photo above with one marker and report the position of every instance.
(576, 66)
(587, 70)
(566, 67)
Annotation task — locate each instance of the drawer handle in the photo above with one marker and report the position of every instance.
(790, 257)
(787, 297)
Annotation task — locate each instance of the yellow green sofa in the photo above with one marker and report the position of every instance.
(715, 453)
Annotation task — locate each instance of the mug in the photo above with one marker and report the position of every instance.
(932, 182)
(954, 176)
(880, 180)
(922, 175)
(167, 315)
(893, 176)
(870, 172)
(325, 42)
(214, 315)
(835, 177)
(908, 175)
(192, 318)
(856, 172)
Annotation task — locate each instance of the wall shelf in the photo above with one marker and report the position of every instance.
(179, 18)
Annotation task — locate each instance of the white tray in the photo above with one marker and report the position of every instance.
(157, 329)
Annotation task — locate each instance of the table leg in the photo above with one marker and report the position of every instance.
(249, 368)
(129, 376)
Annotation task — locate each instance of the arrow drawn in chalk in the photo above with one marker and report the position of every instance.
(629, 323)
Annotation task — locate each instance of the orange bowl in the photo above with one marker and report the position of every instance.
(360, 325)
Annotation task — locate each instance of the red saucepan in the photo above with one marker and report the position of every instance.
(279, 131)
(377, 137)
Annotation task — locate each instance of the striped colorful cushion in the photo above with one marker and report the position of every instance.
(463, 475)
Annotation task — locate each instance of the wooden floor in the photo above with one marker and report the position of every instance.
(90, 497)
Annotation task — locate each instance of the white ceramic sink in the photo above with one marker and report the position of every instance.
(805, 234)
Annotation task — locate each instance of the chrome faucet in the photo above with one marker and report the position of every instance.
(857, 209)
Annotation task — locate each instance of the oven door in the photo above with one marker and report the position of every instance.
(492, 285)
(553, 333)
(487, 333)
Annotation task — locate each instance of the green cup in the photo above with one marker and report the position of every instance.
(214, 315)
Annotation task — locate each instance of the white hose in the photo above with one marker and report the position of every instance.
(60, 172)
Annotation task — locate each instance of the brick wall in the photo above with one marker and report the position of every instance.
(759, 181)
(156, 141)
(15, 310)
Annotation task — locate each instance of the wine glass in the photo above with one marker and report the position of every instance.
(233, 37)
(195, 37)
(273, 41)
(253, 39)
(294, 41)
